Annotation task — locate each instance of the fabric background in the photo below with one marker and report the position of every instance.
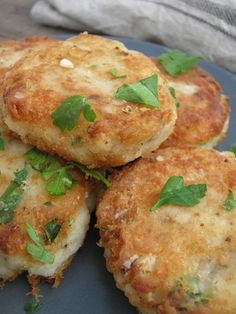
(203, 27)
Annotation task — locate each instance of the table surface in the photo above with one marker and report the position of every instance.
(16, 23)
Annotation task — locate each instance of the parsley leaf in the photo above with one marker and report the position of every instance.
(51, 230)
(92, 173)
(32, 306)
(12, 196)
(174, 192)
(2, 144)
(40, 161)
(176, 62)
(67, 114)
(233, 149)
(52, 170)
(143, 92)
(114, 73)
(37, 250)
(173, 94)
(230, 202)
(59, 180)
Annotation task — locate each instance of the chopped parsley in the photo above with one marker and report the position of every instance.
(2, 144)
(173, 94)
(37, 249)
(233, 149)
(66, 116)
(143, 92)
(33, 306)
(230, 202)
(12, 196)
(59, 180)
(193, 289)
(51, 230)
(92, 173)
(56, 173)
(40, 161)
(176, 62)
(115, 74)
(53, 171)
(175, 192)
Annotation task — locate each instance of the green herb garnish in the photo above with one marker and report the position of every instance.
(67, 114)
(115, 74)
(193, 289)
(233, 149)
(230, 202)
(53, 171)
(59, 180)
(92, 173)
(40, 161)
(143, 92)
(176, 62)
(2, 144)
(12, 196)
(175, 193)
(32, 306)
(51, 230)
(36, 249)
(173, 94)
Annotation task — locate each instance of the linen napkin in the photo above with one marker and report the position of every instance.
(203, 27)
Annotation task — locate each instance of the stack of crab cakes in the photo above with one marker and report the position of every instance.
(166, 220)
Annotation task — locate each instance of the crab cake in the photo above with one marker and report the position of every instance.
(175, 259)
(203, 114)
(87, 69)
(40, 230)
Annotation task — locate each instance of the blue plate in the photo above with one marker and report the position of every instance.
(87, 287)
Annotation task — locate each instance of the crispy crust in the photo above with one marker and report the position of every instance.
(149, 252)
(12, 51)
(70, 209)
(204, 111)
(123, 131)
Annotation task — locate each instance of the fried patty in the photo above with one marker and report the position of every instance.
(177, 259)
(12, 51)
(38, 208)
(122, 131)
(203, 114)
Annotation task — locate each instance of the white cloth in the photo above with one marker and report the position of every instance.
(202, 27)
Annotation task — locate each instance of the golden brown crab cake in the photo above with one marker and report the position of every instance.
(176, 259)
(203, 114)
(24, 199)
(83, 66)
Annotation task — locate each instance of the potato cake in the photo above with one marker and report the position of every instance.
(90, 100)
(12, 51)
(168, 228)
(44, 215)
(203, 112)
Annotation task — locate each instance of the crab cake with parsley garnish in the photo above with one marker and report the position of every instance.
(45, 208)
(203, 111)
(168, 228)
(90, 100)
